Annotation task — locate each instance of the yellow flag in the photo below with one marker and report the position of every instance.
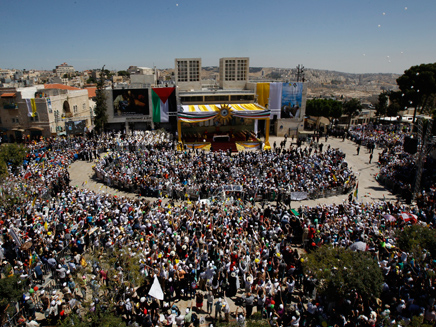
(33, 104)
(334, 177)
(45, 226)
(33, 202)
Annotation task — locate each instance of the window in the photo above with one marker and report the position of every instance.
(241, 70)
(230, 70)
(84, 106)
(194, 75)
(182, 71)
(75, 110)
(15, 120)
(35, 118)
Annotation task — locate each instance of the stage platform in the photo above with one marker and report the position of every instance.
(221, 140)
(223, 146)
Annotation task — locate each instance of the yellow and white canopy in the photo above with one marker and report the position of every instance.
(198, 113)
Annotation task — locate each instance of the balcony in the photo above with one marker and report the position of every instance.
(10, 106)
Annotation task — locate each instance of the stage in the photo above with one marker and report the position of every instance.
(200, 138)
(221, 126)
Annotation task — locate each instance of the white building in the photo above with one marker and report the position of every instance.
(63, 69)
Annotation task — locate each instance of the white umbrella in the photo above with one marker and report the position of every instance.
(358, 246)
(390, 218)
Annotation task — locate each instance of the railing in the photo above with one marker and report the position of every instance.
(10, 106)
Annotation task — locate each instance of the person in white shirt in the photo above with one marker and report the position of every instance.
(240, 317)
(226, 310)
(210, 299)
(180, 320)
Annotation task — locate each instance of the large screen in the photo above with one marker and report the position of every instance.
(130, 102)
(75, 127)
(292, 97)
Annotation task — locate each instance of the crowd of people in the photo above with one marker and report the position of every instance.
(263, 175)
(383, 136)
(103, 251)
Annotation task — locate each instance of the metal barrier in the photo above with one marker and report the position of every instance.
(14, 320)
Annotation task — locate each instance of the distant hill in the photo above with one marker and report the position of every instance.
(321, 82)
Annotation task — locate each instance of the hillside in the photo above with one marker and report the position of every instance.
(321, 83)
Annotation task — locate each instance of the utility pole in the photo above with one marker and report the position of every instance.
(300, 73)
(424, 139)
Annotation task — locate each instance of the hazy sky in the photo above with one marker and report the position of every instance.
(356, 36)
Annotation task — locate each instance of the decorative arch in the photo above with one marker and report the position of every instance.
(66, 107)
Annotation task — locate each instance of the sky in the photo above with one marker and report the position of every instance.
(354, 36)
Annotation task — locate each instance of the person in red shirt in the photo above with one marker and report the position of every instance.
(103, 276)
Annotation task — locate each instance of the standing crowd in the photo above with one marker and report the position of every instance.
(103, 252)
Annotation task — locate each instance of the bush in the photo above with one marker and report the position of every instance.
(11, 155)
(416, 238)
(340, 272)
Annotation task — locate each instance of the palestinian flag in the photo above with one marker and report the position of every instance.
(356, 192)
(164, 101)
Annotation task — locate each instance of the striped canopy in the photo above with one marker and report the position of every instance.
(199, 113)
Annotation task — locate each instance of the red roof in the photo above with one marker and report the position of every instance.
(8, 95)
(91, 91)
(60, 86)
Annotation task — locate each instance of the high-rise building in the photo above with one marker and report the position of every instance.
(234, 72)
(188, 74)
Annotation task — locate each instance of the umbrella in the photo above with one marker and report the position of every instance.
(390, 218)
(26, 246)
(358, 246)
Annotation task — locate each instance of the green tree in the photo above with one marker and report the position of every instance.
(11, 289)
(397, 102)
(98, 318)
(381, 105)
(91, 80)
(11, 155)
(123, 73)
(352, 108)
(100, 110)
(328, 108)
(418, 86)
(416, 238)
(107, 73)
(341, 271)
